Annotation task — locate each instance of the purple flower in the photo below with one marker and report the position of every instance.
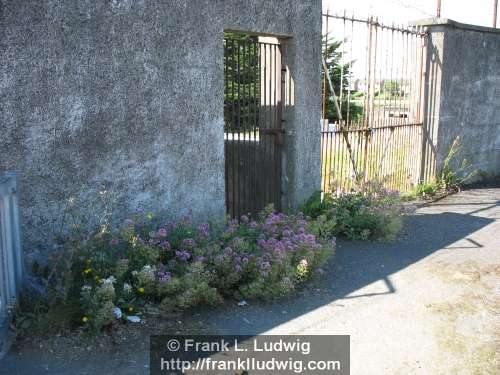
(163, 277)
(171, 225)
(200, 258)
(183, 255)
(229, 230)
(265, 267)
(128, 222)
(189, 243)
(279, 247)
(165, 245)
(114, 241)
(228, 251)
(162, 232)
(237, 241)
(203, 231)
(253, 225)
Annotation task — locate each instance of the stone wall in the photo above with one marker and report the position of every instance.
(462, 96)
(127, 96)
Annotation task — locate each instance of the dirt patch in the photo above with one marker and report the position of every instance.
(469, 328)
(117, 343)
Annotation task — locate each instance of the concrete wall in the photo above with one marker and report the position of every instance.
(462, 94)
(127, 96)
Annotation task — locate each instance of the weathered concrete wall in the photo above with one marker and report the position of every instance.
(301, 21)
(462, 94)
(128, 94)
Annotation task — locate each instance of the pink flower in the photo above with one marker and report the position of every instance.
(162, 232)
(114, 241)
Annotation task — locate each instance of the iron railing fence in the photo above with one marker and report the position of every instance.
(253, 133)
(377, 72)
(11, 265)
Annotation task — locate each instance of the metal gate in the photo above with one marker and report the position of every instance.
(253, 134)
(376, 71)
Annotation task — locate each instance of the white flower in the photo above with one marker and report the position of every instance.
(134, 273)
(86, 287)
(148, 268)
(109, 280)
(134, 319)
(304, 263)
(118, 312)
(127, 288)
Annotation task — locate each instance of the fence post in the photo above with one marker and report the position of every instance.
(11, 264)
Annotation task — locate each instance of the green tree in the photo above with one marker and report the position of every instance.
(391, 88)
(340, 75)
(241, 81)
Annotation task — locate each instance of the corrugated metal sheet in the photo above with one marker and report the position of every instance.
(11, 264)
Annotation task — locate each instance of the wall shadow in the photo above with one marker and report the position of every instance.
(356, 264)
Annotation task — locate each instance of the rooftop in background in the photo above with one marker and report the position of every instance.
(479, 12)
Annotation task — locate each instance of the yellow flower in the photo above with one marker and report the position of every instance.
(97, 278)
(130, 309)
(87, 271)
(85, 319)
(141, 290)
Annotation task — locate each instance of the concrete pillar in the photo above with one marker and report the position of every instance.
(461, 94)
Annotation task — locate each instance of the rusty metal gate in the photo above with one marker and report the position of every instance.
(253, 133)
(377, 72)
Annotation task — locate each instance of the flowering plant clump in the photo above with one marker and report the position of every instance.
(368, 211)
(268, 257)
(176, 265)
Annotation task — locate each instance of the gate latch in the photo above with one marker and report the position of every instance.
(278, 133)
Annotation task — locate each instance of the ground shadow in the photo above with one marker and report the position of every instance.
(356, 264)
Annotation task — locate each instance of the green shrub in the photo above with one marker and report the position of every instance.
(424, 191)
(112, 273)
(452, 175)
(449, 178)
(367, 212)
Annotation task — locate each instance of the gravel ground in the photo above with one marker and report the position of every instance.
(426, 304)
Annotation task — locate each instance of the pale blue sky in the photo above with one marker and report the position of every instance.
(477, 12)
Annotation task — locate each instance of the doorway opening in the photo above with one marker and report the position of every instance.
(253, 124)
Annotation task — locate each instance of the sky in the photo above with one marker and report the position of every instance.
(399, 12)
(476, 12)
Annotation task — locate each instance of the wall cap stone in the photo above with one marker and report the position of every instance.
(431, 22)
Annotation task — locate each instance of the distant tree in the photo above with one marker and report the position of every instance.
(391, 88)
(241, 80)
(340, 75)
